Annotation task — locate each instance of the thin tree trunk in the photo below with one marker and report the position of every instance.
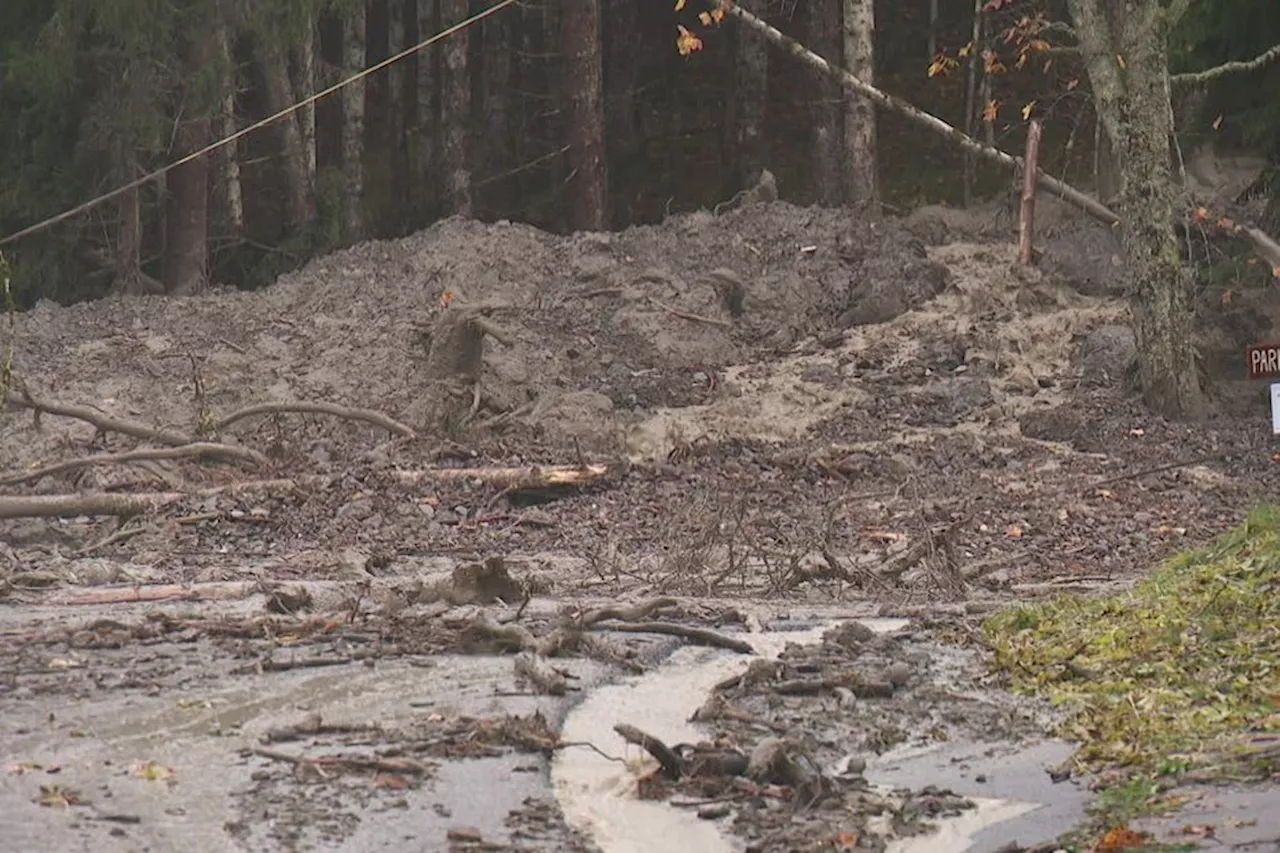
(228, 157)
(746, 149)
(299, 192)
(971, 112)
(827, 105)
(1133, 104)
(127, 255)
(581, 82)
(305, 87)
(423, 140)
(455, 113)
(860, 174)
(353, 52)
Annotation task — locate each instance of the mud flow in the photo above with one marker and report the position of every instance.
(490, 539)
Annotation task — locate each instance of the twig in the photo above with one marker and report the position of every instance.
(196, 449)
(696, 318)
(701, 636)
(319, 408)
(120, 535)
(1159, 469)
(1200, 77)
(381, 765)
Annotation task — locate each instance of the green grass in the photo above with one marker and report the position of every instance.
(1170, 675)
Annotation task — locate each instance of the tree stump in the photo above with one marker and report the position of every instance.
(455, 357)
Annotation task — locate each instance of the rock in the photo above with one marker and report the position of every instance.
(1088, 260)
(899, 673)
(1105, 355)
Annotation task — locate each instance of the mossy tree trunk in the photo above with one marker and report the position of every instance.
(861, 180)
(1125, 49)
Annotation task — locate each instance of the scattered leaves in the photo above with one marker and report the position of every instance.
(712, 18)
(1119, 838)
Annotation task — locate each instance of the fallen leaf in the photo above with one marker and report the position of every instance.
(845, 840)
(1072, 83)
(390, 781)
(1226, 298)
(883, 535)
(24, 767)
(1013, 532)
(1226, 223)
(1026, 110)
(153, 772)
(1108, 495)
(56, 796)
(1120, 61)
(1138, 431)
(1119, 838)
(1200, 830)
(1217, 122)
(990, 111)
(680, 5)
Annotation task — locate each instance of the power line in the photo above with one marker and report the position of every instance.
(324, 93)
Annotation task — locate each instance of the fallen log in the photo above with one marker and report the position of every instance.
(700, 636)
(672, 764)
(1262, 243)
(137, 503)
(530, 479)
(214, 591)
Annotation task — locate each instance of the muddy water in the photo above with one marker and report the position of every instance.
(596, 794)
(1013, 796)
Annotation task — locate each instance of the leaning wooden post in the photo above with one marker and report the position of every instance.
(1027, 214)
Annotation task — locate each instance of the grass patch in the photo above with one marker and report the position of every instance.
(1173, 674)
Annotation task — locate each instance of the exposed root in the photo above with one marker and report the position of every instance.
(319, 408)
(199, 449)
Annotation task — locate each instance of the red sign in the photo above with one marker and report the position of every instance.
(1264, 361)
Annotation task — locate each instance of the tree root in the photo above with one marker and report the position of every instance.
(701, 636)
(380, 765)
(319, 408)
(514, 479)
(102, 422)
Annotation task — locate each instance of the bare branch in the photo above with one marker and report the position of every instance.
(366, 415)
(1068, 193)
(1175, 11)
(1199, 78)
(198, 449)
(101, 421)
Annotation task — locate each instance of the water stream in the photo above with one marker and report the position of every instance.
(597, 795)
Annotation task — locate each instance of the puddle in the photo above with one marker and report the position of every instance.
(1016, 800)
(597, 795)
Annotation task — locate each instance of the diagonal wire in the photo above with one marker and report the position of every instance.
(214, 146)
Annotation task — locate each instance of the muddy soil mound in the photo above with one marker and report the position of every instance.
(804, 397)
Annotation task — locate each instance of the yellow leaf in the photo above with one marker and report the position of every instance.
(1217, 122)
(964, 52)
(687, 42)
(717, 14)
(680, 5)
(990, 111)
(705, 18)
(1026, 110)
(1120, 61)
(153, 772)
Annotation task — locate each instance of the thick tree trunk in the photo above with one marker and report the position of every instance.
(422, 142)
(299, 191)
(187, 261)
(827, 105)
(353, 52)
(581, 82)
(395, 109)
(498, 129)
(1133, 103)
(455, 112)
(860, 175)
(746, 145)
(228, 156)
(624, 137)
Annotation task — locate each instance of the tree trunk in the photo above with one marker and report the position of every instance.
(187, 260)
(860, 175)
(422, 154)
(1133, 103)
(127, 256)
(824, 40)
(353, 52)
(746, 151)
(299, 191)
(624, 135)
(305, 87)
(497, 107)
(395, 108)
(581, 81)
(228, 156)
(455, 112)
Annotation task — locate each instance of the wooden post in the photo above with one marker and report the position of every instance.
(1027, 214)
